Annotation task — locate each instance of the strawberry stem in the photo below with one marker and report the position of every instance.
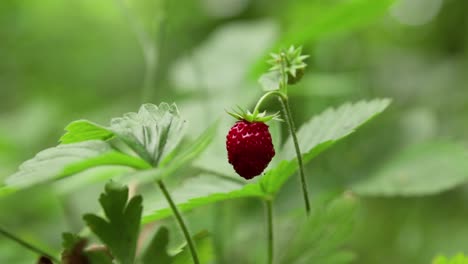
(292, 130)
(265, 96)
(270, 237)
(180, 221)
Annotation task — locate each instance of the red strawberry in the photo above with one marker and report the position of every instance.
(249, 148)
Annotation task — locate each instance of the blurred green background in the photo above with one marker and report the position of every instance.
(65, 60)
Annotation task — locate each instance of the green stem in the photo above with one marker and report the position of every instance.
(266, 95)
(181, 222)
(270, 237)
(292, 130)
(27, 245)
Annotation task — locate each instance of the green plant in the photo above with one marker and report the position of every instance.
(150, 144)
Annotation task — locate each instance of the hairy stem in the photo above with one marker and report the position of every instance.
(292, 130)
(27, 245)
(270, 237)
(181, 222)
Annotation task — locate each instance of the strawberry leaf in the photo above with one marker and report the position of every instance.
(83, 130)
(119, 230)
(153, 133)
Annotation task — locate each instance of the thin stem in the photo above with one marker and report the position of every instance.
(266, 95)
(270, 237)
(180, 221)
(292, 130)
(27, 245)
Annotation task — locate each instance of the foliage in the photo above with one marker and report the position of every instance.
(120, 230)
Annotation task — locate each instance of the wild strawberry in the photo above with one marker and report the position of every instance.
(249, 147)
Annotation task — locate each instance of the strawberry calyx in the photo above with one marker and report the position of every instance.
(255, 116)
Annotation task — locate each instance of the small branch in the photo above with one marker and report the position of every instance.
(180, 221)
(27, 245)
(270, 237)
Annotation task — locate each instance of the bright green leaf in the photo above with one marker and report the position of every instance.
(419, 170)
(153, 133)
(458, 259)
(82, 130)
(108, 158)
(319, 239)
(119, 231)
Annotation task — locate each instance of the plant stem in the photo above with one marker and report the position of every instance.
(28, 245)
(270, 237)
(292, 130)
(180, 221)
(265, 96)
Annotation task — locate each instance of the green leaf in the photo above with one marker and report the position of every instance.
(419, 170)
(51, 163)
(82, 130)
(458, 259)
(174, 162)
(157, 251)
(153, 133)
(322, 20)
(119, 231)
(320, 238)
(66, 160)
(318, 134)
(108, 158)
(322, 131)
